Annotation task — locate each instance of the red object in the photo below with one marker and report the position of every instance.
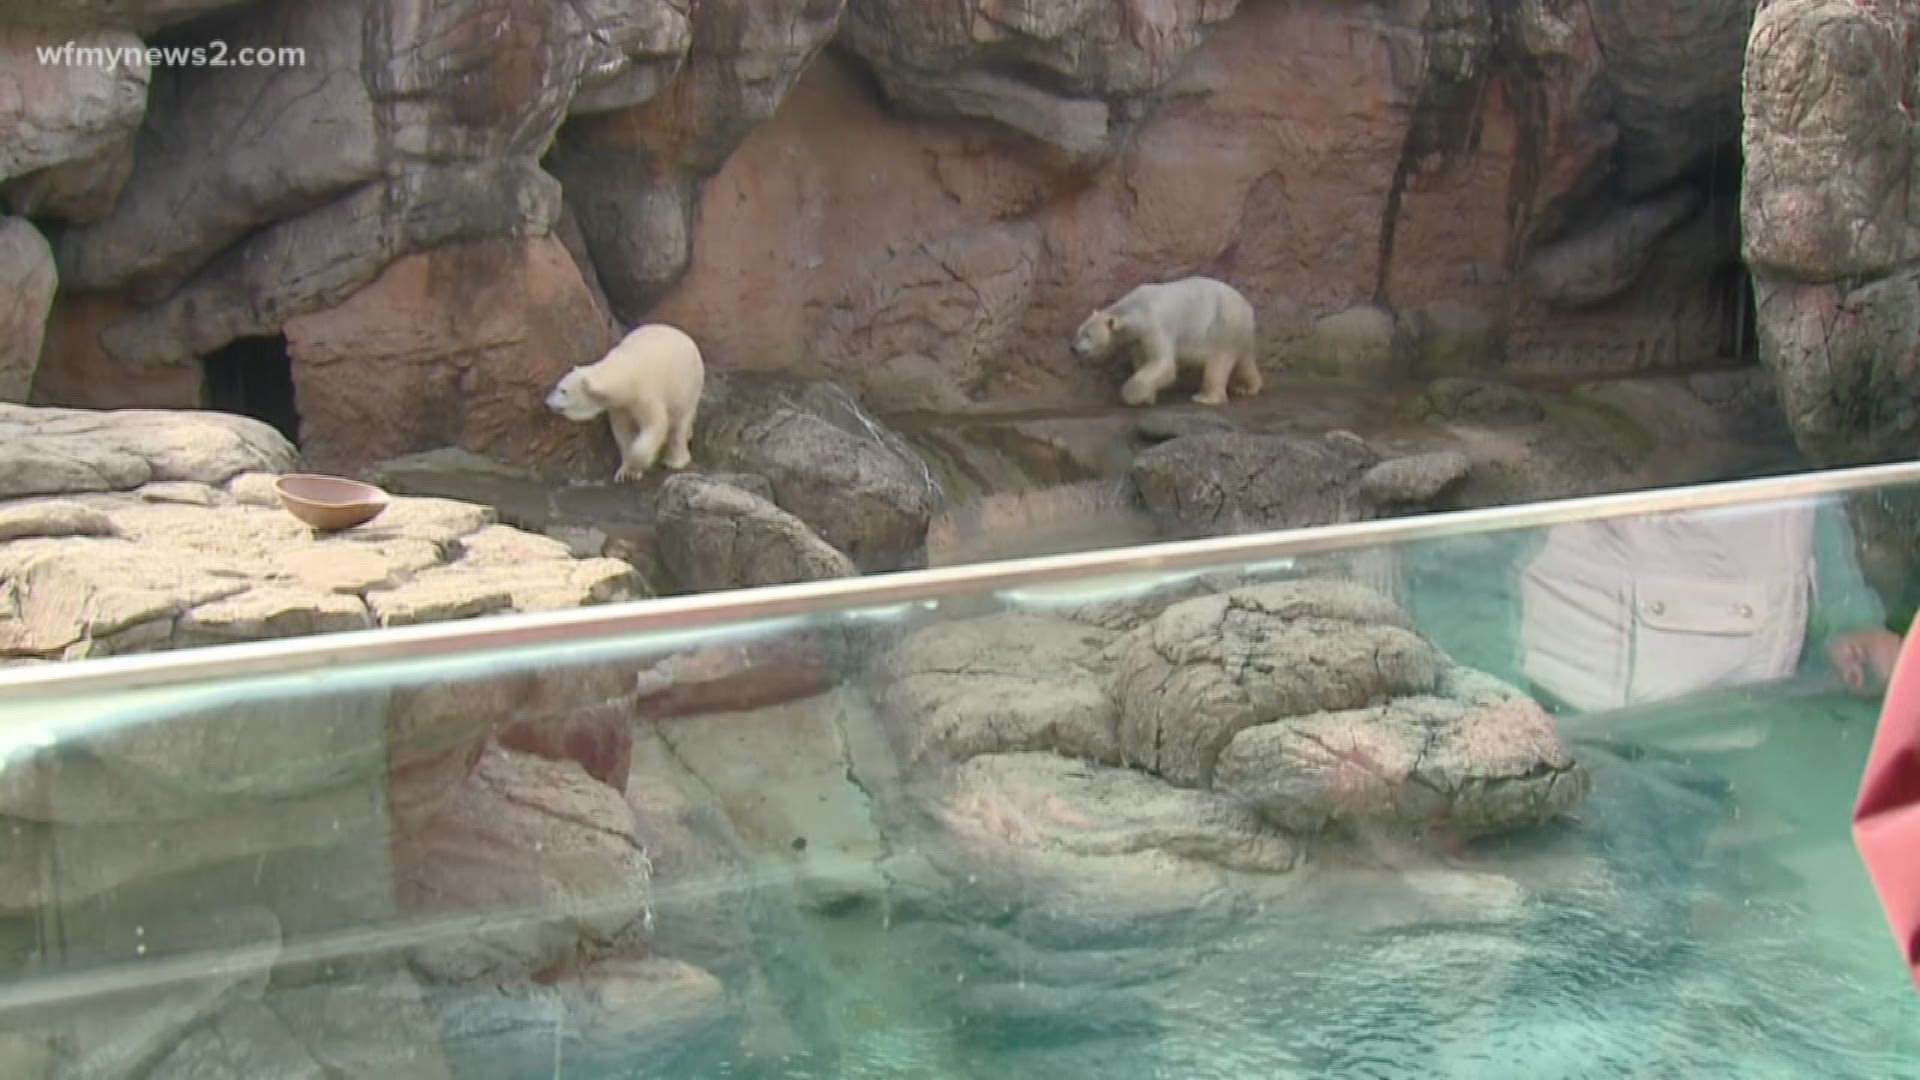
(1886, 819)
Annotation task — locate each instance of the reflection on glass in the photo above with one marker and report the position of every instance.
(1291, 816)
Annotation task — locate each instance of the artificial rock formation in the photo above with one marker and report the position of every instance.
(921, 203)
(296, 822)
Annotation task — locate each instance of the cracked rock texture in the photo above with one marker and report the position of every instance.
(715, 536)
(1311, 701)
(1231, 481)
(1830, 216)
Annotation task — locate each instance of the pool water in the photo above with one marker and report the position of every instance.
(1704, 914)
(1728, 931)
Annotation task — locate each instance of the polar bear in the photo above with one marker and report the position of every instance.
(649, 388)
(1193, 322)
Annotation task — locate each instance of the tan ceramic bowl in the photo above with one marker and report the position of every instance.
(329, 503)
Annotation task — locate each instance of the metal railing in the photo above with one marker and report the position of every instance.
(716, 611)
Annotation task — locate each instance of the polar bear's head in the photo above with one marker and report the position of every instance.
(1096, 335)
(575, 397)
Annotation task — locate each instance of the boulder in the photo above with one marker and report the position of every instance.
(1001, 684)
(473, 335)
(540, 853)
(1207, 668)
(715, 536)
(1235, 482)
(1059, 73)
(71, 109)
(847, 476)
(1449, 336)
(1358, 343)
(1415, 481)
(1468, 758)
(27, 281)
(61, 451)
(1835, 256)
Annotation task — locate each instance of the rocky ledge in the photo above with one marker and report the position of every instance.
(483, 816)
(142, 531)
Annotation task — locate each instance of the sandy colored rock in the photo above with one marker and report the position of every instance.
(61, 451)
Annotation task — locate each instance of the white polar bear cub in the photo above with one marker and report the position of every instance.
(1193, 322)
(649, 387)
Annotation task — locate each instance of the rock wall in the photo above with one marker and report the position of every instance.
(919, 201)
(1831, 215)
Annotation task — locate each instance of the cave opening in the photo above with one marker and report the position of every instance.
(1732, 284)
(253, 376)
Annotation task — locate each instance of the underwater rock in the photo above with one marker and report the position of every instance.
(1205, 669)
(1484, 764)
(652, 1019)
(959, 689)
(543, 856)
(715, 536)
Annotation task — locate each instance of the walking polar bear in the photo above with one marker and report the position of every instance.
(1195, 322)
(649, 388)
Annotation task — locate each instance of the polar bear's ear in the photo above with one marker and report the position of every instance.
(583, 381)
(1111, 321)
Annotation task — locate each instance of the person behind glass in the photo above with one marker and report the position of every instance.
(1621, 612)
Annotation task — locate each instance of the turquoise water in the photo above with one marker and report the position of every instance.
(1702, 915)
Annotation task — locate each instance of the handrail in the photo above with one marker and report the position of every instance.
(711, 610)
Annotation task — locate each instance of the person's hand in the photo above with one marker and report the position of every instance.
(1865, 658)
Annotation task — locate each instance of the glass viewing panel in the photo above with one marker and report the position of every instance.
(1543, 792)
